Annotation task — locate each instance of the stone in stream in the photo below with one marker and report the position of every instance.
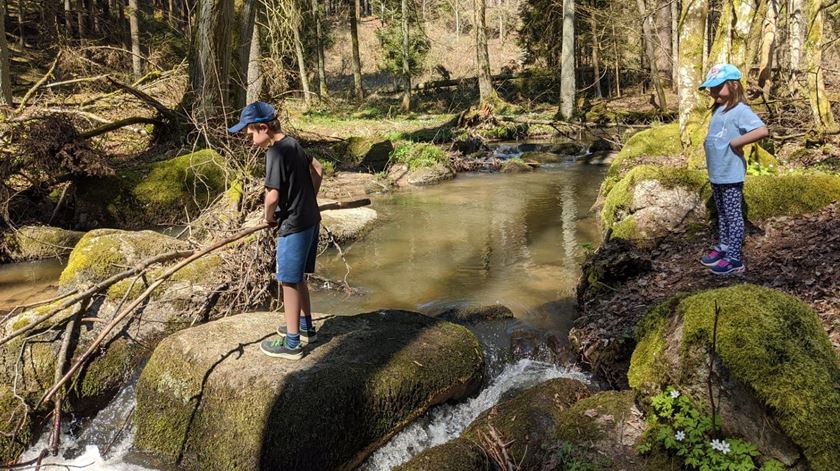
(558, 424)
(473, 314)
(346, 225)
(38, 242)
(540, 346)
(209, 399)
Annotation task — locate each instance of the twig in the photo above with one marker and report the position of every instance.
(55, 438)
(712, 367)
(117, 125)
(38, 84)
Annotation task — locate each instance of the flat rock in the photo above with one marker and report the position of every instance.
(209, 399)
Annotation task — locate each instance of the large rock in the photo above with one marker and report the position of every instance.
(472, 314)
(369, 153)
(346, 225)
(105, 252)
(39, 242)
(776, 374)
(209, 399)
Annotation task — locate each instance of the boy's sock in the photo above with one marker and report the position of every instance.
(292, 340)
(305, 322)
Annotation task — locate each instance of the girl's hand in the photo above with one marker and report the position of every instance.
(737, 149)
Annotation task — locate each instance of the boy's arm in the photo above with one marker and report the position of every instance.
(272, 199)
(316, 171)
(748, 138)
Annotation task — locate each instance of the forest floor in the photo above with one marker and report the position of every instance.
(797, 255)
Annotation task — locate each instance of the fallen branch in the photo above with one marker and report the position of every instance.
(61, 360)
(117, 125)
(38, 84)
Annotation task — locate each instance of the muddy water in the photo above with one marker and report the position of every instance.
(486, 238)
(25, 283)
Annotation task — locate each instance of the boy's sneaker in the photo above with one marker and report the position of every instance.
(727, 267)
(277, 348)
(712, 258)
(307, 336)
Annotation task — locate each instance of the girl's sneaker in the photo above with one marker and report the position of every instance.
(727, 267)
(307, 336)
(277, 348)
(712, 258)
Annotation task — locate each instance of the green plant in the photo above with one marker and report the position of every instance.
(417, 155)
(755, 168)
(676, 425)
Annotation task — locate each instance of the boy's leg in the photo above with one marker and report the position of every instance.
(292, 305)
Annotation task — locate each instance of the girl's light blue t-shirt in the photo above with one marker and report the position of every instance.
(725, 166)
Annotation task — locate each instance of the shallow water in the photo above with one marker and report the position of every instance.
(28, 282)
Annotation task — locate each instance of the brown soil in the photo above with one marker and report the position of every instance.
(797, 255)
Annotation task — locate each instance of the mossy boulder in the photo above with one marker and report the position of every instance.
(401, 175)
(776, 374)
(14, 440)
(346, 225)
(105, 252)
(789, 195)
(656, 142)
(369, 153)
(368, 376)
(160, 193)
(516, 166)
(650, 201)
(455, 455)
(473, 314)
(39, 242)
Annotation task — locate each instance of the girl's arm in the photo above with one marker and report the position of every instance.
(739, 142)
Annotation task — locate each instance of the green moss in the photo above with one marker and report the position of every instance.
(418, 155)
(106, 373)
(372, 153)
(37, 242)
(456, 455)
(620, 197)
(515, 166)
(788, 195)
(195, 272)
(11, 412)
(504, 132)
(105, 252)
(657, 141)
(774, 344)
(191, 180)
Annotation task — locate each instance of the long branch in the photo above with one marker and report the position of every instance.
(117, 125)
(96, 288)
(38, 84)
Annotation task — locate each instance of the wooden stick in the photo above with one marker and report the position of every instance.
(38, 84)
(117, 125)
(55, 438)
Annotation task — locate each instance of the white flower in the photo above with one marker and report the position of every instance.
(680, 436)
(721, 446)
(675, 394)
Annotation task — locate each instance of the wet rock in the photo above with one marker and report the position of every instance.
(600, 145)
(544, 157)
(38, 242)
(455, 455)
(367, 377)
(566, 148)
(775, 370)
(346, 225)
(476, 314)
(614, 262)
(516, 166)
(540, 346)
(401, 176)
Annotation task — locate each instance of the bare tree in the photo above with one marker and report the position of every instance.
(255, 74)
(567, 61)
(647, 28)
(247, 27)
(795, 34)
(319, 46)
(5, 76)
(485, 82)
(210, 57)
(301, 59)
(134, 26)
(820, 105)
(691, 47)
(406, 101)
(596, 66)
(355, 16)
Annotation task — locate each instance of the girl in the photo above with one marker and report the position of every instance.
(733, 125)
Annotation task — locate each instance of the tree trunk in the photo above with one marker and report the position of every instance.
(567, 61)
(246, 33)
(5, 76)
(820, 106)
(68, 24)
(80, 18)
(406, 101)
(675, 43)
(21, 14)
(457, 18)
(210, 57)
(721, 49)
(319, 46)
(485, 83)
(301, 60)
(647, 28)
(255, 76)
(662, 31)
(795, 34)
(355, 16)
(744, 14)
(134, 26)
(617, 62)
(768, 42)
(692, 24)
(93, 14)
(596, 66)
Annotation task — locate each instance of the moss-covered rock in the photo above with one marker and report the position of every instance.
(776, 371)
(105, 252)
(473, 314)
(159, 193)
(38, 242)
(15, 425)
(658, 141)
(370, 375)
(370, 153)
(516, 166)
(789, 195)
(455, 455)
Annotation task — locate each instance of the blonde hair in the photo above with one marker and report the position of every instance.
(736, 95)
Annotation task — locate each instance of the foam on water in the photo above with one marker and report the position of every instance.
(446, 422)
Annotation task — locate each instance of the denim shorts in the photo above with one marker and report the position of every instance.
(296, 254)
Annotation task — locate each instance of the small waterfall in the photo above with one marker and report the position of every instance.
(446, 422)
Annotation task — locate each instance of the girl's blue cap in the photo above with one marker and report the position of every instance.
(256, 112)
(721, 73)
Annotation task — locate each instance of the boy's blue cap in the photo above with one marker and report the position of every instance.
(256, 112)
(721, 73)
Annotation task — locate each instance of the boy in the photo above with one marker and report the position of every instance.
(292, 181)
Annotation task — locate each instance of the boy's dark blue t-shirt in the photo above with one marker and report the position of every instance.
(287, 170)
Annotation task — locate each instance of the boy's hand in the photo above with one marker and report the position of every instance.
(271, 222)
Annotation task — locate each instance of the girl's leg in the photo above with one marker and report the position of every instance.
(723, 227)
(733, 197)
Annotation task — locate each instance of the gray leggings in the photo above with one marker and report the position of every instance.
(728, 198)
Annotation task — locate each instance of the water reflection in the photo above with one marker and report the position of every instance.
(513, 239)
